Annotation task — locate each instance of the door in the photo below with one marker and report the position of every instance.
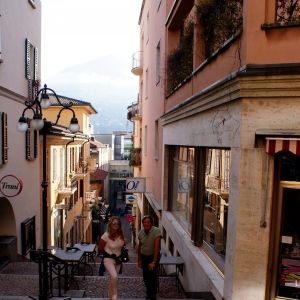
(288, 241)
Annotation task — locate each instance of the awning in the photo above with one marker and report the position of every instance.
(280, 140)
(275, 145)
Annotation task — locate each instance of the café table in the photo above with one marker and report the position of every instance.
(74, 257)
(89, 251)
(176, 261)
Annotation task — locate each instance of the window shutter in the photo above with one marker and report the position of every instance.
(3, 139)
(36, 57)
(27, 58)
(31, 142)
(28, 139)
(35, 140)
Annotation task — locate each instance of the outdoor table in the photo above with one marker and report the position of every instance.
(89, 251)
(177, 261)
(73, 256)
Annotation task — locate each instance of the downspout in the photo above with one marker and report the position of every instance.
(263, 222)
(72, 141)
(88, 140)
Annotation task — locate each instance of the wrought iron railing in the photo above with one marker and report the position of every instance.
(217, 183)
(68, 184)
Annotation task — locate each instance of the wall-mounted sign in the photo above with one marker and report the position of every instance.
(80, 217)
(10, 185)
(130, 199)
(135, 185)
(62, 206)
(184, 185)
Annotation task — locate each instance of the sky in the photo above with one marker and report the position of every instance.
(78, 31)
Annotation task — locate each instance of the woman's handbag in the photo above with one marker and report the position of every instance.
(124, 255)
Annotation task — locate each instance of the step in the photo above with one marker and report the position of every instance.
(56, 298)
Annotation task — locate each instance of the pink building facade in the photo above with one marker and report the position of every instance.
(217, 123)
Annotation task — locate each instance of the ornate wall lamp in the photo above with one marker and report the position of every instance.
(41, 102)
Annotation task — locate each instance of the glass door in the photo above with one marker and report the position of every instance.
(288, 283)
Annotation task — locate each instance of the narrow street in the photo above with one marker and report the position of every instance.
(19, 280)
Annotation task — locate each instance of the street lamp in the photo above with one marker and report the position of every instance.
(44, 126)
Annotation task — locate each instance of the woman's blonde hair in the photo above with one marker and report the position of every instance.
(120, 229)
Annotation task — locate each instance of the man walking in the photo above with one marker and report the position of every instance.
(148, 255)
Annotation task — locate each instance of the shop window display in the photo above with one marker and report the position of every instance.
(213, 216)
(288, 283)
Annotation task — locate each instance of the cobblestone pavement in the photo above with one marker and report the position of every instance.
(21, 279)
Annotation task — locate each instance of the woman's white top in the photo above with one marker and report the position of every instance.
(112, 247)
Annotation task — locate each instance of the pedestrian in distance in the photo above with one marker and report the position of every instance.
(110, 246)
(149, 255)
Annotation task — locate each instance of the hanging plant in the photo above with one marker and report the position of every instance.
(219, 20)
(180, 60)
(288, 10)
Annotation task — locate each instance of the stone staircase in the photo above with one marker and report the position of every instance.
(18, 280)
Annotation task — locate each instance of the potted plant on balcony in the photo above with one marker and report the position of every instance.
(71, 174)
(134, 156)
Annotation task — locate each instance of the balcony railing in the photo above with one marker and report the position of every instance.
(68, 185)
(137, 64)
(81, 168)
(217, 183)
(91, 164)
(90, 196)
(135, 157)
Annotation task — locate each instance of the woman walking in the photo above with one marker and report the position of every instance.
(110, 245)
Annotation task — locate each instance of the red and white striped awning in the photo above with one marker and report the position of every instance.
(275, 145)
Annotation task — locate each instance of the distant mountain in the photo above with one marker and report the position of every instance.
(107, 83)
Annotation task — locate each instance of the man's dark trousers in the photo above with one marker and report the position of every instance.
(150, 277)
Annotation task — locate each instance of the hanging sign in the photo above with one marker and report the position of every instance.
(62, 206)
(135, 185)
(130, 199)
(184, 185)
(10, 185)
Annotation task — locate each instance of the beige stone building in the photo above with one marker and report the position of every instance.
(68, 171)
(20, 44)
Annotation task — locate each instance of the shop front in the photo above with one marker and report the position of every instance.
(285, 222)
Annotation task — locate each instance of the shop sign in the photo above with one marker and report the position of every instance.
(135, 185)
(62, 206)
(184, 185)
(81, 217)
(130, 199)
(10, 185)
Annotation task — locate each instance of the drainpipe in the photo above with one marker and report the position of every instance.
(88, 140)
(263, 222)
(72, 141)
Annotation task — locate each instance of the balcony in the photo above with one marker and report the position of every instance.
(218, 186)
(137, 64)
(134, 112)
(91, 164)
(81, 169)
(67, 187)
(90, 196)
(135, 157)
